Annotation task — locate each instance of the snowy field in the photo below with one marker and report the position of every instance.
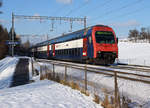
(48, 94)
(44, 94)
(136, 91)
(134, 53)
(41, 94)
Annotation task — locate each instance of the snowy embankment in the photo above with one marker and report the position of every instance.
(136, 91)
(134, 53)
(7, 69)
(44, 94)
(41, 94)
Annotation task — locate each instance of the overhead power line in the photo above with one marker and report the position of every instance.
(77, 8)
(128, 14)
(117, 9)
(98, 6)
(59, 9)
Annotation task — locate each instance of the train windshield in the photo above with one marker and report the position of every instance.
(104, 37)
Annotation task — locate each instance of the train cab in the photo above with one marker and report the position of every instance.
(104, 44)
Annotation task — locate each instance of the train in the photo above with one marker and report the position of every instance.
(96, 44)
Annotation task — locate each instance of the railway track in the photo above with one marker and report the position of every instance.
(128, 72)
(132, 67)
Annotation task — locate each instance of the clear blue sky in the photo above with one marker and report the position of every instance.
(121, 15)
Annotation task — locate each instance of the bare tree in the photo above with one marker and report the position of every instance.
(26, 45)
(1, 6)
(3, 38)
(148, 33)
(134, 35)
(0, 3)
(143, 33)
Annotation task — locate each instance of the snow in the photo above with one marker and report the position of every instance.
(44, 94)
(40, 94)
(7, 68)
(136, 91)
(134, 53)
(49, 94)
(131, 53)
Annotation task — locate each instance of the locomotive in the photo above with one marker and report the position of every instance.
(95, 44)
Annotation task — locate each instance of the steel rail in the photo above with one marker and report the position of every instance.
(111, 69)
(105, 72)
(136, 68)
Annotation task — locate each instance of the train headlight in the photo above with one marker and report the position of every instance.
(99, 52)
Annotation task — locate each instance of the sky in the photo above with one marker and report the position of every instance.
(121, 15)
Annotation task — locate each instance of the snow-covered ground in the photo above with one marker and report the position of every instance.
(136, 91)
(48, 94)
(134, 53)
(7, 68)
(41, 94)
(44, 94)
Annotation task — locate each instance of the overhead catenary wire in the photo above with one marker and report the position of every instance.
(128, 14)
(98, 7)
(77, 8)
(117, 10)
(59, 9)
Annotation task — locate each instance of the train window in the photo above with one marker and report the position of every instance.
(69, 51)
(56, 52)
(72, 52)
(104, 37)
(60, 52)
(76, 52)
(65, 51)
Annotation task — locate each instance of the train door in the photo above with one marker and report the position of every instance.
(53, 50)
(90, 47)
(48, 51)
(84, 48)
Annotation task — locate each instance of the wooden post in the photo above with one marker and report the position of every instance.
(116, 90)
(32, 66)
(41, 76)
(53, 71)
(85, 80)
(65, 73)
(45, 71)
(40, 70)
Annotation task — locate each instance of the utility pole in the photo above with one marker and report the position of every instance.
(12, 34)
(47, 36)
(85, 22)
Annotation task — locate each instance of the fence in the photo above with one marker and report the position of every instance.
(80, 77)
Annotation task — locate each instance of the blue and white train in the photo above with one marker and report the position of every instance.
(96, 44)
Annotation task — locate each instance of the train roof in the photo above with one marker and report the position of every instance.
(78, 31)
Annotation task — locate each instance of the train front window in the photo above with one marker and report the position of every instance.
(104, 37)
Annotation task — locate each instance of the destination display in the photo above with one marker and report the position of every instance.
(104, 33)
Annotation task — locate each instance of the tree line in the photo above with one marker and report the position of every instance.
(21, 49)
(143, 34)
(3, 38)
